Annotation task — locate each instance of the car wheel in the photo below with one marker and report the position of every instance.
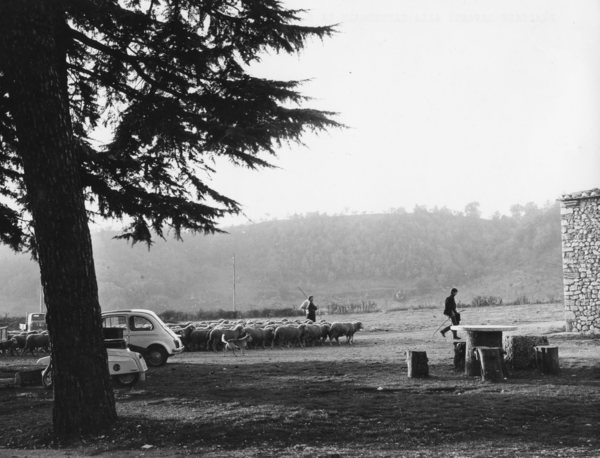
(127, 379)
(47, 377)
(156, 356)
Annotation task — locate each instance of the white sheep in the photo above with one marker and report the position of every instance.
(288, 335)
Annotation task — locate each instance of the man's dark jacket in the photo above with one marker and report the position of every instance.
(450, 305)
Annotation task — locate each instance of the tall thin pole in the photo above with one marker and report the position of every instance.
(234, 283)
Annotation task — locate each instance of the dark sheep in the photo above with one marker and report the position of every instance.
(37, 342)
(257, 335)
(8, 347)
(199, 339)
(19, 341)
(339, 329)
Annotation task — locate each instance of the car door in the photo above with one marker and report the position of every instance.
(142, 332)
(119, 322)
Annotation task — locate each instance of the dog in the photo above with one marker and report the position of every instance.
(236, 344)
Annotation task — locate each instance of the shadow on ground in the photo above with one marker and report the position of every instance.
(329, 405)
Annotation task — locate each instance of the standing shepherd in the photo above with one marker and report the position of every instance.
(450, 311)
(310, 309)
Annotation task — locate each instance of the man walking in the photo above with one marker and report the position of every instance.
(450, 311)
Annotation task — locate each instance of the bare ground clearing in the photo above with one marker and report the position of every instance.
(341, 401)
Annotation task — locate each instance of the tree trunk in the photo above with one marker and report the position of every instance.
(490, 359)
(33, 62)
(546, 358)
(417, 364)
(459, 356)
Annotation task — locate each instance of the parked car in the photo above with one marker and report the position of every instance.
(125, 367)
(144, 332)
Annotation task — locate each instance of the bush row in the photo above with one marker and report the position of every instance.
(201, 315)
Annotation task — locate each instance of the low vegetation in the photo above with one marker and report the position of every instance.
(395, 259)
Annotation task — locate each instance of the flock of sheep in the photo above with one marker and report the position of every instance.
(205, 336)
(26, 341)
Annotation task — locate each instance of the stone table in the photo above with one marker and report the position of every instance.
(480, 335)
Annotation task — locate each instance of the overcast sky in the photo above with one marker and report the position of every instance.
(447, 102)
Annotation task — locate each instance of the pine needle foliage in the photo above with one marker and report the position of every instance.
(170, 79)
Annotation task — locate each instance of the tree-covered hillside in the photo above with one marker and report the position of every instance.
(398, 257)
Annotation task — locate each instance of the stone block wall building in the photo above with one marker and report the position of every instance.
(580, 227)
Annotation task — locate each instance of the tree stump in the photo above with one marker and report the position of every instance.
(459, 356)
(417, 364)
(520, 352)
(490, 360)
(546, 359)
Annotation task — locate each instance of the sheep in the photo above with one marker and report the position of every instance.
(324, 331)
(19, 340)
(269, 335)
(198, 339)
(339, 329)
(288, 335)
(184, 334)
(258, 336)
(177, 328)
(312, 334)
(8, 346)
(214, 338)
(37, 342)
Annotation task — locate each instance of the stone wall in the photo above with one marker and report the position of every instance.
(580, 221)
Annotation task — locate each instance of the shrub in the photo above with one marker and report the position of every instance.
(363, 307)
(484, 301)
(520, 300)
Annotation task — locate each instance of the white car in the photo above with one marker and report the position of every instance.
(125, 367)
(144, 332)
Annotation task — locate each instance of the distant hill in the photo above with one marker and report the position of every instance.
(392, 259)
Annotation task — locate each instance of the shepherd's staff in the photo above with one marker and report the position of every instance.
(305, 295)
(440, 326)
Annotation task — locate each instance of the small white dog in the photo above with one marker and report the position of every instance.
(236, 344)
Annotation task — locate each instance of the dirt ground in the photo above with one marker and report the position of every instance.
(339, 401)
